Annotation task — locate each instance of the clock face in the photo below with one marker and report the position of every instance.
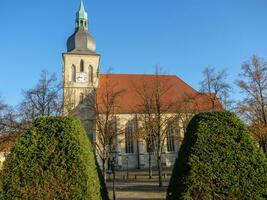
(81, 77)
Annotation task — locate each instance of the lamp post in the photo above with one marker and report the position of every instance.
(127, 167)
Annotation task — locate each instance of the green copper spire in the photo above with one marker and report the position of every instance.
(82, 17)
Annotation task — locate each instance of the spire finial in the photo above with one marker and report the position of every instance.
(82, 17)
(82, 6)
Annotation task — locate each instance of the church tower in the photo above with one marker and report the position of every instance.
(80, 72)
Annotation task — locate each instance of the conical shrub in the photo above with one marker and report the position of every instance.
(53, 159)
(218, 159)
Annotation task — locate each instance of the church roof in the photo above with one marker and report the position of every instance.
(175, 93)
(81, 42)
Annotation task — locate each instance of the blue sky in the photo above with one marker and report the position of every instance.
(132, 36)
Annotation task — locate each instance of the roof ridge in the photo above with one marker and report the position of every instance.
(170, 75)
(138, 74)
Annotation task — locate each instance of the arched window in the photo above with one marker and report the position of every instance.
(170, 139)
(90, 74)
(81, 98)
(82, 66)
(129, 142)
(73, 73)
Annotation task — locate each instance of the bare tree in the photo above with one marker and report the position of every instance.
(104, 106)
(9, 126)
(186, 107)
(3, 107)
(156, 114)
(9, 122)
(101, 105)
(253, 83)
(2, 104)
(145, 116)
(42, 100)
(215, 86)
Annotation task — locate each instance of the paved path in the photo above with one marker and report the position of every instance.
(138, 190)
(139, 186)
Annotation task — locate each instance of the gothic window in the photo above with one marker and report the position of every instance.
(129, 138)
(81, 98)
(170, 139)
(90, 74)
(73, 73)
(82, 66)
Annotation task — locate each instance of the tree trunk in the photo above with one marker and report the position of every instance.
(213, 105)
(150, 165)
(104, 169)
(159, 170)
(264, 146)
(138, 155)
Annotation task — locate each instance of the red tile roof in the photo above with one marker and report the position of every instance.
(177, 92)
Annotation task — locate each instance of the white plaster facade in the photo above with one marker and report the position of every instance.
(2, 158)
(139, 157)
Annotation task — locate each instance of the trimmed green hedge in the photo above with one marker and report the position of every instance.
(218, 160)
(53, 160)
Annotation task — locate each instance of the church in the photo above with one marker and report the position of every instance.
(82, 79)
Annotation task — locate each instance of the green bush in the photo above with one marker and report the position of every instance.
(52, 160)
(218, 159)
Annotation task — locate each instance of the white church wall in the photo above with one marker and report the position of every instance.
(139, 159)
